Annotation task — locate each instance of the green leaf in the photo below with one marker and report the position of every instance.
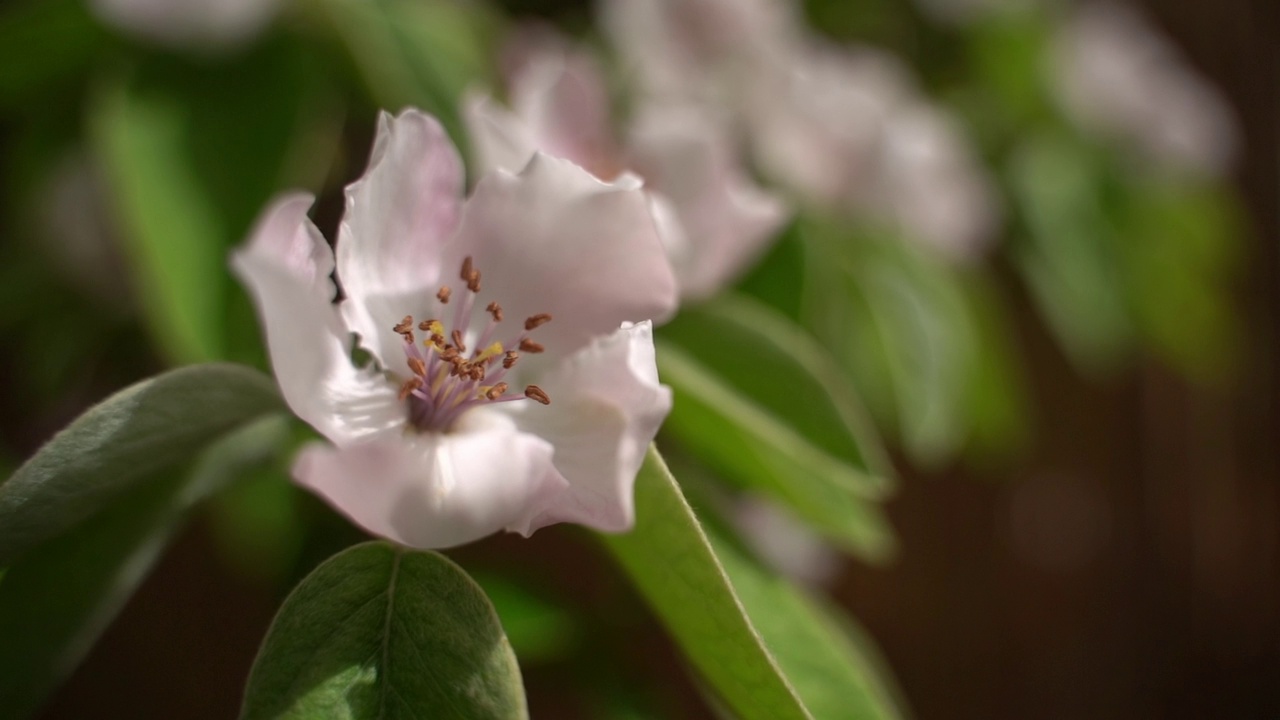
(139, 431)
(42, 43)
(424, 53)
(828, 671)
(747, 444)
(768, 649)
(379, 631)
(58, 598)
(193, 153)
(776, 364)
(671, 562)
(898, 322)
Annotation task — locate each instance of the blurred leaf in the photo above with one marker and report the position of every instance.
(379, 631)
(769, 650)
(1070, 256)
(776, 364)
(748, 444)
(44, 42)
(135, 433)
(671, 562)
(539, 630)
(172, 228)
(256, 525)
(423, 53)
(898, 321)
(193, 152)
(59, 597)
(995, 394)
(1182, 250)
(827, 670)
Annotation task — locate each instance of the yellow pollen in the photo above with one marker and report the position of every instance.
(494, 350)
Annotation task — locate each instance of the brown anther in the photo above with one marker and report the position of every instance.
(457, 341)
(425, 325)
(530, 346)
(537, 321)
(418, 367)
(533, 392)
(449, 354)
(409, 386)
(510, 358)
(496, 391)
(437, 339)
(476, 372)
(473, 281)
(496, 310)
(405, 327)
(466, 268)
(443, 295)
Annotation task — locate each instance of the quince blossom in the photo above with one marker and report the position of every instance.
(1116, 75)
(514, 383)
(713, 219)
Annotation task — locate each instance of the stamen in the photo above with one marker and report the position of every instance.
(404, 328)
(470, 275)
(537, 321)
(509, 359)
(443, 295)
(530, 346)
(496, 391)
(418, 366)
(457, 341)
(533, 392)
(409, 386)
(496, 310)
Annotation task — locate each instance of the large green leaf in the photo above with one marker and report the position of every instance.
(827, 669)
(764, 646)
(379, 631)
(139, 431)
(59, 597)
(748, 444)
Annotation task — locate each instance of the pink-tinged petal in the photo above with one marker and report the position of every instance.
(183, 23)
(555, 240)
(285, 265)
(933, 185)
(606, 406)
(560, 95)
(399, 216)
(688, 157)
(435, 490)
(499, 139)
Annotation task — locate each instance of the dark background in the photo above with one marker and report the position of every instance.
(1127, 566)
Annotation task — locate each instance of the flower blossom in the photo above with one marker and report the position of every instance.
(843, 128)
(180, 23)
(713, 219)
(514, 382)
(1114, 74)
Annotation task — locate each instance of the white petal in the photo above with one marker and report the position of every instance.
(556, 240)
(285, 265)
(399, 216)
(606, 406)
(435, 490)
(180, 23)
(726, 219)
(499, 139)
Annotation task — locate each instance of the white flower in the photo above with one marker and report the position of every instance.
(208, 23)
(1114, 74)
(713, 219)
(545, 277)
(846, 129)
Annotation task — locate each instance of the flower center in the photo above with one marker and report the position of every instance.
(450, 377)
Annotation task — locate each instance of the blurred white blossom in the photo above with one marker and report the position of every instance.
(181, 23)
(714, 220)
(1116, 75)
